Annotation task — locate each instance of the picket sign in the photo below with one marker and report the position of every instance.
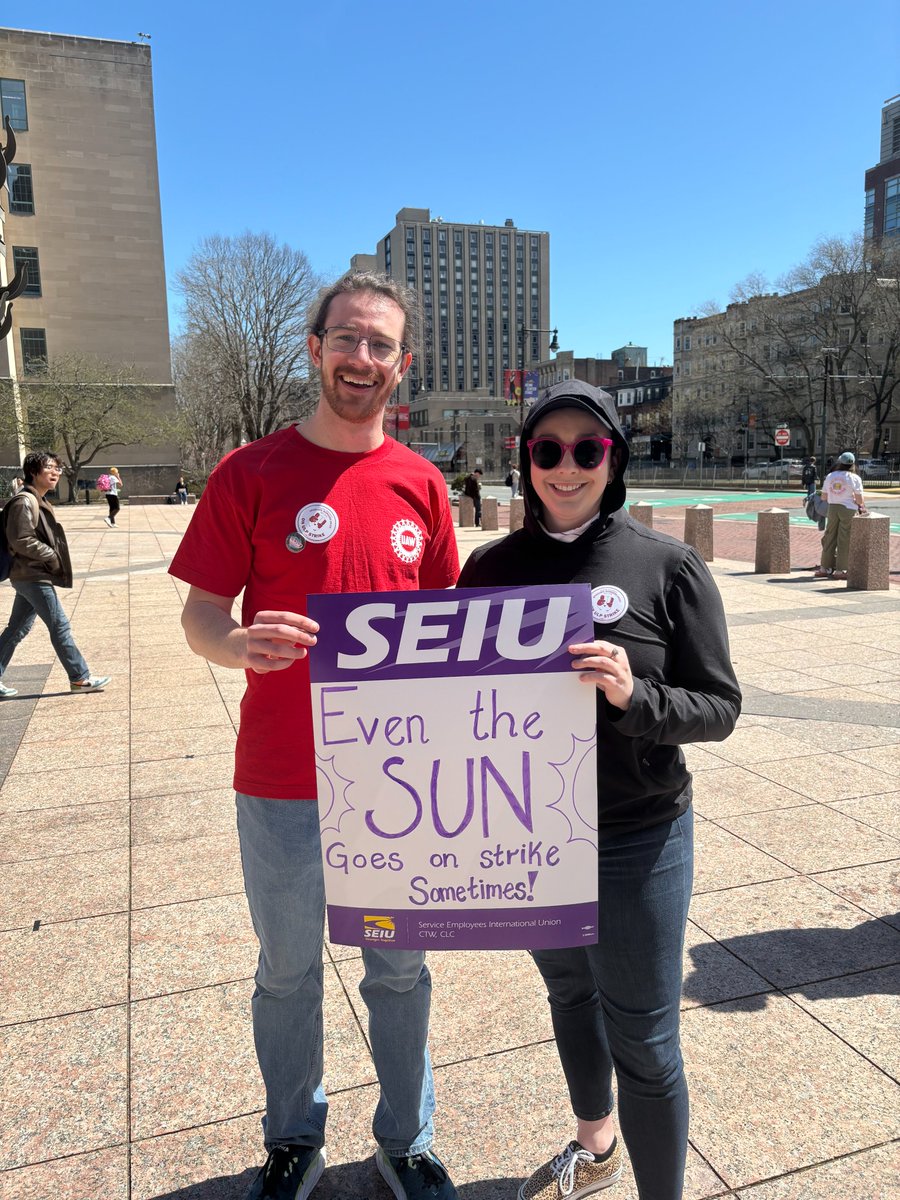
(456, 756)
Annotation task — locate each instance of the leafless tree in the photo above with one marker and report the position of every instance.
(208, 421)
(246, 298)
(829, 332)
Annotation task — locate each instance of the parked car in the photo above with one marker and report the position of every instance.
(779, 469)
(872, 468)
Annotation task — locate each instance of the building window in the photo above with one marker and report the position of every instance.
(21, 193)
(34, 350)
(12, 102)
(892, 205)
(870, 213)
(27, 256)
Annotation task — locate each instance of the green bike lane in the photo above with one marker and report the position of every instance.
(748, 505)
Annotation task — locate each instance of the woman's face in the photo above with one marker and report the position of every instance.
(570, 494)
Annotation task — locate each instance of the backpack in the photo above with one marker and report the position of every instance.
(6, 557)
(508, 480)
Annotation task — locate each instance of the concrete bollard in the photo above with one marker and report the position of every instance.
(870, 552)
(642, 511)
(698, 530)
(516, 514)
(466, 512)
(773, 542)
(489, 516)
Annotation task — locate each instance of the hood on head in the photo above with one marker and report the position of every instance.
(574, 394)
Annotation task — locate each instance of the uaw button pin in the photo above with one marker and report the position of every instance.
(317, 522)
(294, 543)
(608, 604)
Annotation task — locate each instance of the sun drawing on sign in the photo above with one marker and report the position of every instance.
(580, 828)
(337, 805)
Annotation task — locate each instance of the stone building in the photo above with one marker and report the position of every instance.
(479, 287)
(813, 361)
(83, 212)
(883, 180)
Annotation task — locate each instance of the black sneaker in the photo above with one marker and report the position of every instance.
(416, 1176)
(290, 1173)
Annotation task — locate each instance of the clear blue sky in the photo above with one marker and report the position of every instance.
(669, 149)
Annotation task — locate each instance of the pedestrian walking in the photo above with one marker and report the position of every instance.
(280, 518)
(809, 476)
(40, 564)
(112, 495)
(472, 489)
(843, 491)
(514, 477)
(661, 668)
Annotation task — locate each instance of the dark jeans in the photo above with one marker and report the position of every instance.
(616, 1004)
(114, 506)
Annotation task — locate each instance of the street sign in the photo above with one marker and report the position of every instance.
(782, 436)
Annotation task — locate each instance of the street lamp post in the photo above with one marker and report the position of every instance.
(829, 350)
(554, 346)
(829, 378)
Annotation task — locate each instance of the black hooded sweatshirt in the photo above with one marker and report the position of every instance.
(652, 595)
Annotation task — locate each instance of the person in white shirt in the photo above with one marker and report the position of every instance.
(843, 492)
(112, 496)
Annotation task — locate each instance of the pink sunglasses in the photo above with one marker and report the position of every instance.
(589, 453)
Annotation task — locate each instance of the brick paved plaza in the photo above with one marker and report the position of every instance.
(128, 1070)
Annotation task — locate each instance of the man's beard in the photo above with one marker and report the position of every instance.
(356, 413)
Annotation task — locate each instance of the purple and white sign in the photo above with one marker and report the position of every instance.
(456, 756)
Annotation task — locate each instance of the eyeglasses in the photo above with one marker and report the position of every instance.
(343, 339)
(589, 453)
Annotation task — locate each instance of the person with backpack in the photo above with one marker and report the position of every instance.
(40, 563)
(112, 496)
(843, 490)
(809, 476)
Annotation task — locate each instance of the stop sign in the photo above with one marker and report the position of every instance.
(782, 437)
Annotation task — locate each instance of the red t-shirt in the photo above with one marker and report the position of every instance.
(282, 519)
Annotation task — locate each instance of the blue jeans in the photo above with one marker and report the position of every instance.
(35, 599)
(616, 1004)
(282, 862)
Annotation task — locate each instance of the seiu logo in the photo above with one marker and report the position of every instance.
(378, 929)
(420, 627)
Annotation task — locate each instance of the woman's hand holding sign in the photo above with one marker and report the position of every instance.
(607, 667)
(276, 640)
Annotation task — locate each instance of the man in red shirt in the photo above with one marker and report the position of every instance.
(329, 505)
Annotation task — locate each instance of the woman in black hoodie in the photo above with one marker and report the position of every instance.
(661, 667)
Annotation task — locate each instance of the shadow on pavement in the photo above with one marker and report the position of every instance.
(819, 963)
(223, 1187)
(346, 1181)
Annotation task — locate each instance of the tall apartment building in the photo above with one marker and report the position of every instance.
(883, 180)
(479, 286)
(84, 214)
